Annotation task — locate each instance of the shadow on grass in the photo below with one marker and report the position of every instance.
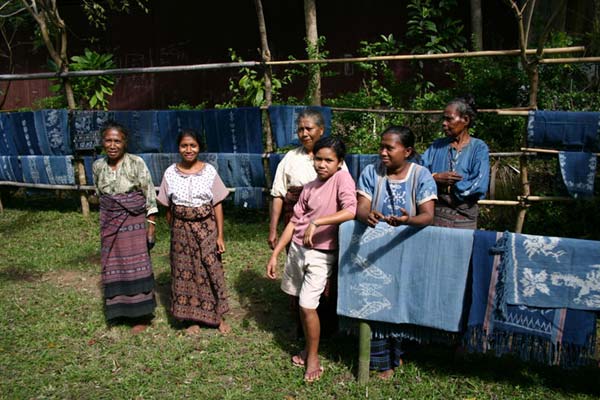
(164, 294)
(442, 360)
(16, 273)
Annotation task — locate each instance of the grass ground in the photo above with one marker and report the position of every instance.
(54, 342)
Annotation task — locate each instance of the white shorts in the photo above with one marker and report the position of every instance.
(306, 272)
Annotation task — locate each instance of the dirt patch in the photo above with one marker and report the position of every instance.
(80, 280)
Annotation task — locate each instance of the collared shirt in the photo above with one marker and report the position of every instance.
(130, 175)
(191, 190)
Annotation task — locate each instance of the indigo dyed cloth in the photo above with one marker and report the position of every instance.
(86, 126)
(578, 170)
(551, 272)
(555, 336)
(157, 164)
(357, 162)
(233, 130)
(238, 169)
(403, 275)
(249, 197)
(10, 169)
(564, 130)
(472, 163)
(53, 170)
(43, 132)
(284, 126)
(274, 160)
(144, 135)
(172, 122)
(89, 172)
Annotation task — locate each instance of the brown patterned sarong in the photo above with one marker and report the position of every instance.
(198, 285)
(452, 213)
(127, 277)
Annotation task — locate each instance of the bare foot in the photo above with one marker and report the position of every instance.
(193, 330)
(385, 375)
(224, 327)
(139, 328)
(299, 359)
(313, 375)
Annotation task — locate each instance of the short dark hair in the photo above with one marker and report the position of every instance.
(116, 126)
(335, 144)
(314, 114)
(465, 105)
(404, 134)
(193, 135)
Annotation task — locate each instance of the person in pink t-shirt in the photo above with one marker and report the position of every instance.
(324, 203)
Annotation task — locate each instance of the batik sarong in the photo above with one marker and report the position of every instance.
(127, 277)
(198, 285)
(451, 213)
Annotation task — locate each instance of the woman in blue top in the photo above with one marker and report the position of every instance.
(398, 192)
(460, 165)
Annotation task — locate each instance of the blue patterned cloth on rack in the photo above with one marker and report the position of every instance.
(234, 130)
(172, 122)
(357, 162)
(578, 170)
(86, 126)
(87, 164)
(157, 163)
(274, 160)
(237, 169)
(10, 169)
(403, 275)
(53, 170)
(555, 336)
(564, 130)
(144, 135)
(249, 197)
(43, 132)
(284, 126)
(552, 272)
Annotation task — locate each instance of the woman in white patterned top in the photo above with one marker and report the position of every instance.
(193, 191)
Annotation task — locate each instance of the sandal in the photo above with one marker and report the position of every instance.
(314, 375)
(299, 359)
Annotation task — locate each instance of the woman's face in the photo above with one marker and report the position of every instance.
(189, 149)
(326, 163)
(453, 123)
(308, 133)
(392, 152)
(114, 144)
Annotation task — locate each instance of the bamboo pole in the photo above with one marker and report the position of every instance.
(364, 351)
(498, 202)
(46, 186)
(85, 205)
(254, 64)
(526, 193)
(548, 151)
(1, 206)
(571, 60)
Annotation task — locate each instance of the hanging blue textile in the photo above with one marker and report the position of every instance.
(8, 147)
(157, 163)
(86, 128)
(578, 171)
(172, 122)
(403, 275)
(234, 130)
(53, 170)
(284, 126)
(22, 126)
(52, 129)
(564, 130)
(552, 272)
(237, 170)
(249, 197)
(144, 135)
(552, 336)
(87, 164)
(357, 162)
(10, 169)
(274, 160)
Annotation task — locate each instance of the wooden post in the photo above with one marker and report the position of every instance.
(85, 205)
(268, 73)
(526, 192)
(1, 206)
(364, 351)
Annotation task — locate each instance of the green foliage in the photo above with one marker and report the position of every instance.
(90, 91)
(96, 11)
(249, 89)
(186, 106)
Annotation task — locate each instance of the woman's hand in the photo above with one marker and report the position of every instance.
(272, 239)
(447, 178)
(272, 268)
(397, 221)
(374, 217)
(308, 235)
(220, 245)
(150, 235)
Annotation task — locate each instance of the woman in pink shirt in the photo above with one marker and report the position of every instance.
(324, 203)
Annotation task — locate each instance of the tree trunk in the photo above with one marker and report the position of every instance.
(268, 72)
(476, 25)
(312, 43)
